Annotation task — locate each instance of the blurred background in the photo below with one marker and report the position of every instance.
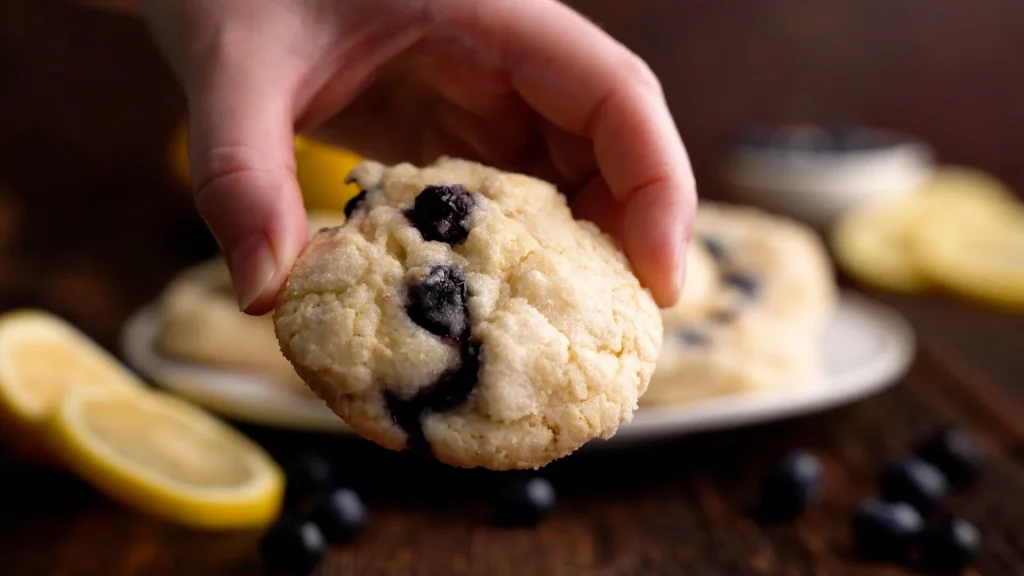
(95, 217)
(89, 208)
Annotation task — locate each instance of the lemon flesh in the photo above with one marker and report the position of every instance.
(168, 458)
(42, 356)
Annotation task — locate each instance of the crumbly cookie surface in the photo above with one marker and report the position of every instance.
(757, 326)
(463, 311)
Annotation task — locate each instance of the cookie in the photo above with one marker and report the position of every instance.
(757, 326)
(200, 321)
(462, 312)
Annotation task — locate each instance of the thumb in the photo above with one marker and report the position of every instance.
(241, 148)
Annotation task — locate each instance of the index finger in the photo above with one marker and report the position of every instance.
(585, 82)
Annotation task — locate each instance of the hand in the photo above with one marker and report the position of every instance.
(524, 85)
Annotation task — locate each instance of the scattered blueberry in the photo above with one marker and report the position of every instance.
(953, 451)
(354, 202)
(692, 337)
(293, 547)
(308, 475)
(438, 302)
(795, 483)
(440, 213)
(886, 530)
(526, 501)
(950, 545)
(915, 482)
(341, 515)
(748, 284)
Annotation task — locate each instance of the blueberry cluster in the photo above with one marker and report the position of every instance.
(318, 513)
(437, 302)
(895, 527)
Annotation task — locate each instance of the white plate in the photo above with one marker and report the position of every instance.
(866, 348)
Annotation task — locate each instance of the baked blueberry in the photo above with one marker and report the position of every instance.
(437, 302)
(448, 392)
(692, 337)
(354, 202)
(950, 545)
(293, 547)
(308, 475)
(340, 515)
(748, 284)
(795, 483)
(953, 451)
(440, 213)
(886, 530)
(915, 482)
(526, 500)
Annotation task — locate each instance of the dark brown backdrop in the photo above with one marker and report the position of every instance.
(86, 107)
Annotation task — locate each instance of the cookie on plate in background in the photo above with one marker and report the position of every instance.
(464, 312)
(759, 292)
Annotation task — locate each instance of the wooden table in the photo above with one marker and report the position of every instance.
(679, 506)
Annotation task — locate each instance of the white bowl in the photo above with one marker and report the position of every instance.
(814, 175)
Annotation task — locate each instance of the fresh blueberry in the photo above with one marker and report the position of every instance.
(341, 515)
(795, 483)
(293, 547)
(886, 530)
(953, 451)
(950, 545)
(714, 246)
(353, 203)
(692, 337)
(308, 475)
(437, 302)
(915, 482)
(747, 284)
(526, 501)
(440, 213)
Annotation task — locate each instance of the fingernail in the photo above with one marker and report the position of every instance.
(252, 267)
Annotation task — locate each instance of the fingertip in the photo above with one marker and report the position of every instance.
(656, 232)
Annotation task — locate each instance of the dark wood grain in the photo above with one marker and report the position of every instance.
(678, 506)
(91, 226)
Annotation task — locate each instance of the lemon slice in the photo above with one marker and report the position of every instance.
(872, 244)
(983, 262)
(42, 356)
(167, 457)
(877, 243)
(321, 170)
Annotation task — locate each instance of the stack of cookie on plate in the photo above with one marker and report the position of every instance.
(200, 322)
(759, 291)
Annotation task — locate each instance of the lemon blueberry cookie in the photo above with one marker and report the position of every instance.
(759, 291)
(463, 312)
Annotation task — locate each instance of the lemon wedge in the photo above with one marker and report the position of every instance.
(886, 243)
(872, 244)
(321, 170)
(42, 356)
(167, 457)
(983, 262)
